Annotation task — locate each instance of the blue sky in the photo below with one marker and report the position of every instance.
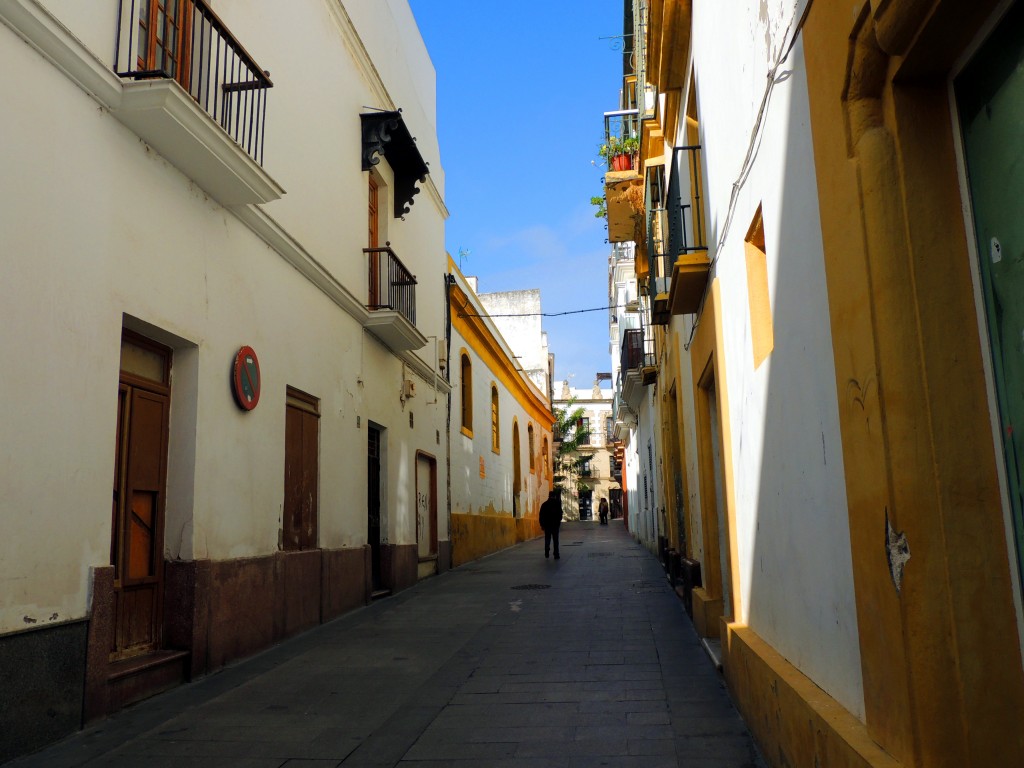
(521, 88)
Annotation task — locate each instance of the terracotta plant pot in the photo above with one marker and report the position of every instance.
(622, 163)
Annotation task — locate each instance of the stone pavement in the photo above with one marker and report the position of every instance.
(512, 661)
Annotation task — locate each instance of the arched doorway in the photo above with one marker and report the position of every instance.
(517, 482)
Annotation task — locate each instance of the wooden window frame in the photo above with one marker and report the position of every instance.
(495, 420)
(466, 381)
(183, 26)
(531, 446)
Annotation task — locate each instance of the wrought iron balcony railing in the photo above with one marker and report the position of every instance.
(392, 286)
(685, 204)
(185, 41)
(632, 349)
(622, 131)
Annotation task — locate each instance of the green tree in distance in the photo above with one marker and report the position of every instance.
(570, 434)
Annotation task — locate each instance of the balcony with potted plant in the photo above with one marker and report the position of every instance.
(623, 184)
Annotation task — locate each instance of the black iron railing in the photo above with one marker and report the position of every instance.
(621, 138)
(685, 203)
(184, 40)
(632, 349)
(392, 286)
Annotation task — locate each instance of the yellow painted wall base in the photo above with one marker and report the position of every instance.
(474, 536)
(794, 722)
(706, 613)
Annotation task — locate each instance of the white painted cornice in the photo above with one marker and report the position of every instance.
(360, 55)
(274, 235)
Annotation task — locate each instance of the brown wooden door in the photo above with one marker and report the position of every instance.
(138, 513)
(301, 472)
(374, 242)
(373, 527)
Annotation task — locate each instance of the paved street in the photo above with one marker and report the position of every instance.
(512, 660)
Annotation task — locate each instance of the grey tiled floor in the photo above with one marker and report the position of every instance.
(601, 667)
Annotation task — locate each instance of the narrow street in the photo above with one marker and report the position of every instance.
(512, 660)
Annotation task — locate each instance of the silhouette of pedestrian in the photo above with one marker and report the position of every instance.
(550, 520)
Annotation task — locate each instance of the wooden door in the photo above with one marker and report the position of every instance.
(301, 472)
(990, 98)
(374, 242)
(140, 478)
(373, 505)
(426, 505)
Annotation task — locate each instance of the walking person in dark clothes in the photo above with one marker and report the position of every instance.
(551, 519)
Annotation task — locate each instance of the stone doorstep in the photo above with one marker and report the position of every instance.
(138, 665)
(137, 678)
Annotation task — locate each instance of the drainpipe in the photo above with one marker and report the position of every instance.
(448, 279)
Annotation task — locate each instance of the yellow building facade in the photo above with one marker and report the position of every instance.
(854, 287)
(500, 433)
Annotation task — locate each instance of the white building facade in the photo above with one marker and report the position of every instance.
(243, 275)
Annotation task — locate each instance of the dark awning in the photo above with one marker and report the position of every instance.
(386, 134)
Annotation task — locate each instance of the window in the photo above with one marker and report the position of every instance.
(546, 458)
(531, 447)
(164, 27)
(373, 239)
(762, 334)
(495, 429)
(583, 430)
(467, 395)
(301, 471)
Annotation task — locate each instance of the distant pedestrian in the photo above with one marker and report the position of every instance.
(551, 519)
(602, 511)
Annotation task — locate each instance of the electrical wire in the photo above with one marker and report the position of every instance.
(542, 314)
(773, 79)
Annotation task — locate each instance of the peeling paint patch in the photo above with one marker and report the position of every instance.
(897, 551)
(29, 620)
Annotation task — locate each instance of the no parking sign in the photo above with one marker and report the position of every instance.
(245, 379)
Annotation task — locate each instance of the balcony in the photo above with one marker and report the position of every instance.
(195, 95)
(392, 301)
(625, 419)
(623, 189)
(687, 248)
(631, 366)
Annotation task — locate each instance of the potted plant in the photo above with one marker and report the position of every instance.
(618, 153)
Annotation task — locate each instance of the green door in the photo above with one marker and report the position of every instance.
(990, 99)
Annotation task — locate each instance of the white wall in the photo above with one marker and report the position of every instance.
(792, 529)
(100, 231)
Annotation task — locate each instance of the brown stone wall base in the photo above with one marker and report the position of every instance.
(345, 584)
(794, 721)
(399, 565)
(444, 556)
(101, 639)
(474, 536)
(298, 592)
(706, 613)
(242, 608)
(218, 611)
